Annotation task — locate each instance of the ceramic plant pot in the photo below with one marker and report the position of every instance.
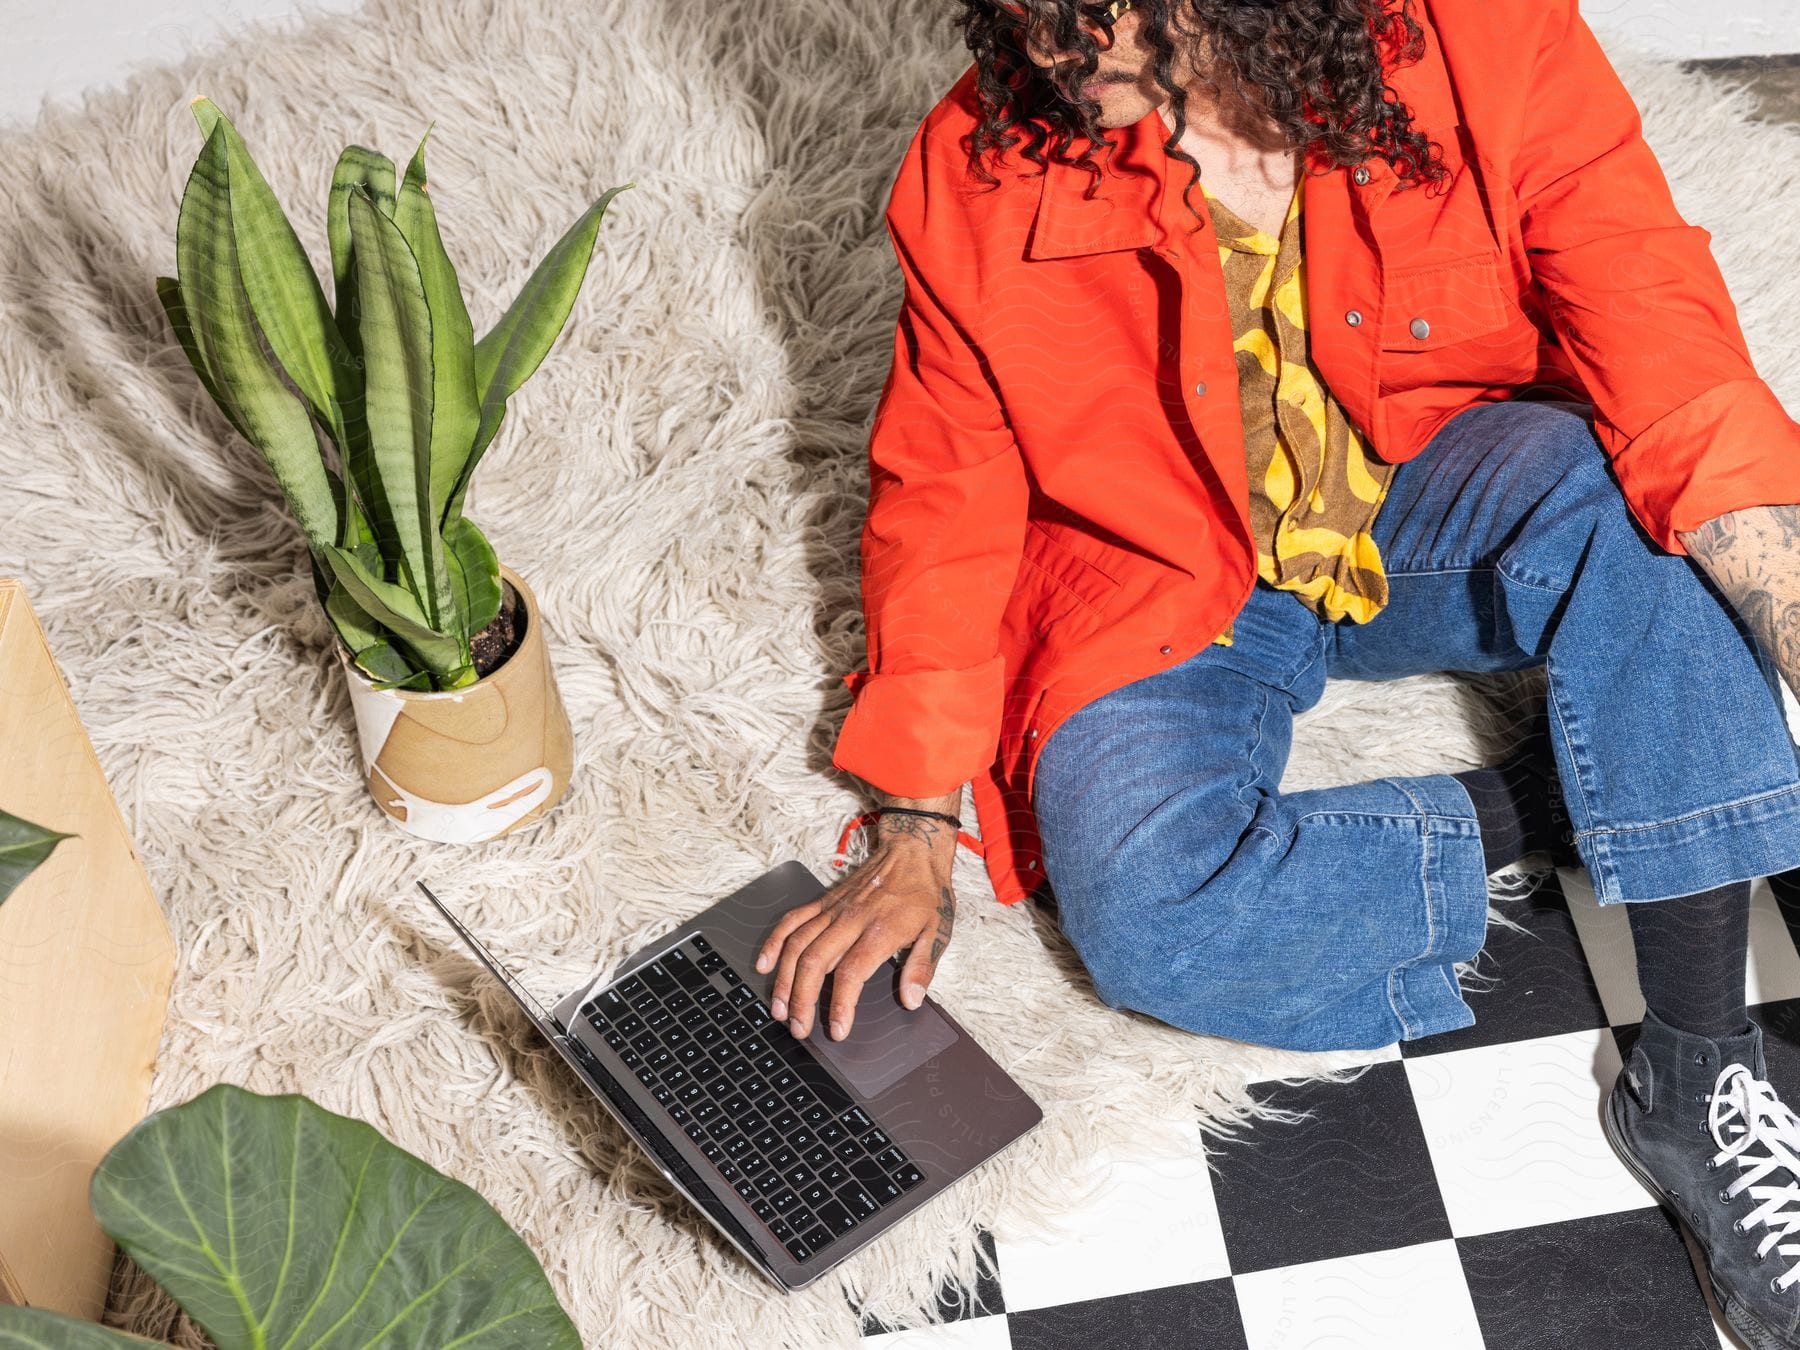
(463, 765)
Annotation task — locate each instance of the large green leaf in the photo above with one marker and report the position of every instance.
(396, 332)
(276, 1223)
(509, 352)
(40, 1329)
(280, 282)
(23, 846)
(224, 334)
(454, 412)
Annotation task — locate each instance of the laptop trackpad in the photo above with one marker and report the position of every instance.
(887, 1039)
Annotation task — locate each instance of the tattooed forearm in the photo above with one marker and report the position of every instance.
(1753, 556)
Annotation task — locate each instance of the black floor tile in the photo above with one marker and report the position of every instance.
(1200, 1316)
(1612, 1282)
(1353, 1177)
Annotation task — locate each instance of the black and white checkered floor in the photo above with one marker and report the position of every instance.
(1459, 1195)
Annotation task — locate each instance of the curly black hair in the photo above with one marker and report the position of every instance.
(1315, 67)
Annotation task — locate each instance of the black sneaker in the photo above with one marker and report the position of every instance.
(1697, 1122)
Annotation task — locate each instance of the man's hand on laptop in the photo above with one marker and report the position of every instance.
(899, 895)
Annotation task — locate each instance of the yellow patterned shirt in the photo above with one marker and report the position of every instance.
(1314, 489)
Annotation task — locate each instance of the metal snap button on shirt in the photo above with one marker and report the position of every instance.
(1166, 650)
(1361, 175)
(1418, 328)
(1200, 388)
(1353, 318)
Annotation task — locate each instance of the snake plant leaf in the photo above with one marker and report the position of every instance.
(454, 412)
(373, 171)
(396, 609)
(280, 282)
(274, 1222)
(224, 333)
(474, 573)
(396, 327)
(168, 291)
(509, 352)
(365, 640)
(23, 847)
(41, 1329)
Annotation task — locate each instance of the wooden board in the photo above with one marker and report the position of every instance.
(85, 968)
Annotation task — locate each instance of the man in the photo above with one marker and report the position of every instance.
(1428, 348)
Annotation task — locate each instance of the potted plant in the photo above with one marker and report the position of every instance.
(372, 413)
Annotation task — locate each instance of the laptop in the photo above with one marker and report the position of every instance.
(800, 1152)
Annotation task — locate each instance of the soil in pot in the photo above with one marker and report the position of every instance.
(501, 638)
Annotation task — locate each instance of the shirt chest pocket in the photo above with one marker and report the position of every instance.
(1441, 304)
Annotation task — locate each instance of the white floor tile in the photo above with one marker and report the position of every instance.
(975, 1333)
(1514, 1132)
(1411, 1298)
(1146, 1225)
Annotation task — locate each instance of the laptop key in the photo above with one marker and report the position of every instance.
(835, 1216)
(784, 1200)
(798, 1175)
(745, 1187)
(830, 1132)
(820, 1157)
(892, 1158)
(819, 1237)
(849, 1150)
(802, 1139)
(784, 1158)
(708, 996)
(699, 943)
(876, 1139)
(647, 1076)
(909, 1176)
(781, 1228)
(798, 1248)
(764, 1211)
(771, 1104)
(816, 1114)
(833, 1175)
(860, 1202)
(856, 1120)
(815, 1193)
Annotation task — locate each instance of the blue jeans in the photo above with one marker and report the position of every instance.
(1196, 891)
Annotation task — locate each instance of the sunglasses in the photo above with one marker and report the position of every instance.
(1096, 20)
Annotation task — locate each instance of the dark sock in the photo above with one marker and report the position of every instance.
(1512, 803)
(1690, 958)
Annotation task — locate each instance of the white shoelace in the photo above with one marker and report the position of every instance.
(1748, 1105)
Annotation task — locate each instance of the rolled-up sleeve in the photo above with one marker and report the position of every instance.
(1638, 302)
(941, 543)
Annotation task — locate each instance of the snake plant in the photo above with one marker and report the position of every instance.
(371, 411)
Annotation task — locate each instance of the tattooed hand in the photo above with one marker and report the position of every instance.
(897, 897)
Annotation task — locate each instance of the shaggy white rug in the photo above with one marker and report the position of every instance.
(682, 482)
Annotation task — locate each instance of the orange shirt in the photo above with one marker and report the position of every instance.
(1058, 502)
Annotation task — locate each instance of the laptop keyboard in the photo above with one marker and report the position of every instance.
(774, 1123)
